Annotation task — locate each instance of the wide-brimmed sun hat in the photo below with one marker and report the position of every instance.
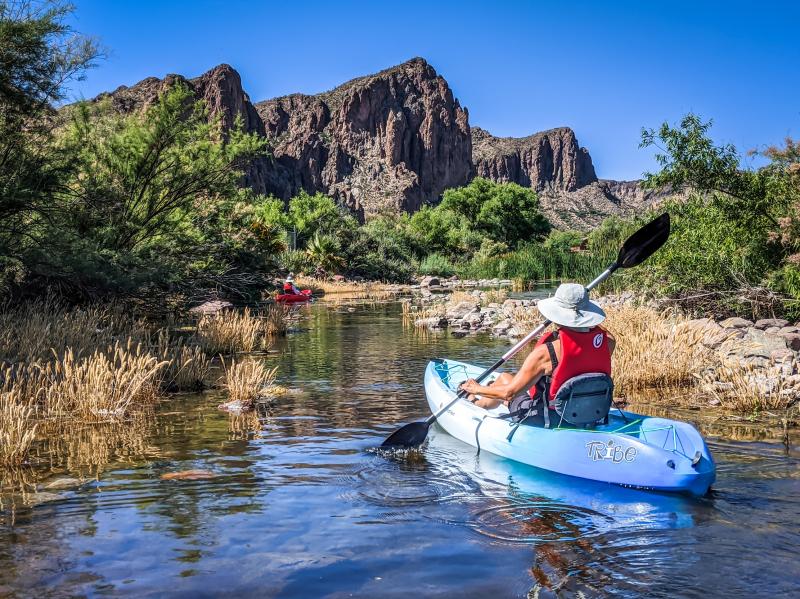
(571, 307)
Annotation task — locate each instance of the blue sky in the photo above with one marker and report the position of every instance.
(606, 69)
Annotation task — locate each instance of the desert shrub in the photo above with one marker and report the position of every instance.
(435, 264)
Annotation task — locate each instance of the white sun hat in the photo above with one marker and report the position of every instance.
(571, 307)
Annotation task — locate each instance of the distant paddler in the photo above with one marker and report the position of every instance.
(289, 287)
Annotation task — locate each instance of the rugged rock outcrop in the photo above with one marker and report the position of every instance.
(547, 160)
(553, 163)
(394, 141)
(221, 89)
(389, 141)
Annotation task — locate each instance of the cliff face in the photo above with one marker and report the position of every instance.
(394, 141)
(221, 89)
(389, 141)
(553, 163)
(547, 160)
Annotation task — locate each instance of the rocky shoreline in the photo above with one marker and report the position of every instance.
(766, 352)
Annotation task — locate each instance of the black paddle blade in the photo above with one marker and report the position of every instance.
(408, 436)
(643, 244)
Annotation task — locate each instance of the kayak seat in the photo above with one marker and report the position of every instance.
(585, 399)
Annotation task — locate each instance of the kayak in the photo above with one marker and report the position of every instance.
(630, 450)
(291, 298)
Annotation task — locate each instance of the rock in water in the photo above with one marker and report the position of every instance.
(189, 475)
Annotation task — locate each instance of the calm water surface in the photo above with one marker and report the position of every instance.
(301, 507)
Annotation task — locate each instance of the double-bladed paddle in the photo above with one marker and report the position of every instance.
(636, 249)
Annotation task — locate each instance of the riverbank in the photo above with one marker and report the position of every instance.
(67, 367)
(747, 366)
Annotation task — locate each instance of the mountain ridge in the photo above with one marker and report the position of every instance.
(393, 141)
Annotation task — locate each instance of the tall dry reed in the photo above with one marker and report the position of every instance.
(187, 365)
(17, 428)
(654, 350)
(248, 381)
(229, 332)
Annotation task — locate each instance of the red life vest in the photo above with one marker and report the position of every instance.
(288, 287)
(581, 353)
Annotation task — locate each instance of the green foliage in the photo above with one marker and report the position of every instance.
(324, 253)
(39, 55)
(735, 240)
(563, 240)
(435, 264)
(532, 263)
(504, 212)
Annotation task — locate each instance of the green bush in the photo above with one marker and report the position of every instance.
(436, 264)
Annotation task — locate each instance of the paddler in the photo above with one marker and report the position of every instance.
(578, 345)
(288, 286)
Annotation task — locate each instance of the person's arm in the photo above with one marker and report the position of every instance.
(612, 343)
(533, 368)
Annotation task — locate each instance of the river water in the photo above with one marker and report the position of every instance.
(296, 503)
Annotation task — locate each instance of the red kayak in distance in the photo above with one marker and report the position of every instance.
(292, 298)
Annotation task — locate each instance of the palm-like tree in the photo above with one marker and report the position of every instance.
(324, 251)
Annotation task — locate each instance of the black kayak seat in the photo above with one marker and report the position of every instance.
(585, 399)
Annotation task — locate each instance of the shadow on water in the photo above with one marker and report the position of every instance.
(289, 502)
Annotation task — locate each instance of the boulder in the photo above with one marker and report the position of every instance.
(461, 309)
(502, 327)
(473, 319)
(736, 323)
(433, 322)
(766, 323)
(711, 334)
(429, 281)
(792, 340)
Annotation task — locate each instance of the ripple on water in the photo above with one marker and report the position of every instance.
(533, 521)
(407, 479)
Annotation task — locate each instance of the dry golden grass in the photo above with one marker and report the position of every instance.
(246, 382)
(745, 390)
(653, 349)
(17, 428)
(105, 385)
(229, 332)
(37, 330)
(276, 320)
(187, 366)
(344, 286)
(496, 296)
(63, 366)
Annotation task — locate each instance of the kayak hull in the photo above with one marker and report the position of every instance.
(631, 450)
(293, 298)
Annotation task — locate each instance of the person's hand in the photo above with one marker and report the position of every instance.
(470, 386)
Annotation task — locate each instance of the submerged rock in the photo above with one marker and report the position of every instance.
(60, 483)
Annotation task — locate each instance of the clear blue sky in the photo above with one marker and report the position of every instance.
(606, 69)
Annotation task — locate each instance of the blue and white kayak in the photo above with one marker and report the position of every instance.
(631, 450)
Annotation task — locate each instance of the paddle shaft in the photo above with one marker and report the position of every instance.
(518, 346)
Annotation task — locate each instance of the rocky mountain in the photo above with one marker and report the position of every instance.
(553, 163)
(550, 159)
(221, 89)
(394, 141)
(389, 141)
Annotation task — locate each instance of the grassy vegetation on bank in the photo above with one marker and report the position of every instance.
(63, 366)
